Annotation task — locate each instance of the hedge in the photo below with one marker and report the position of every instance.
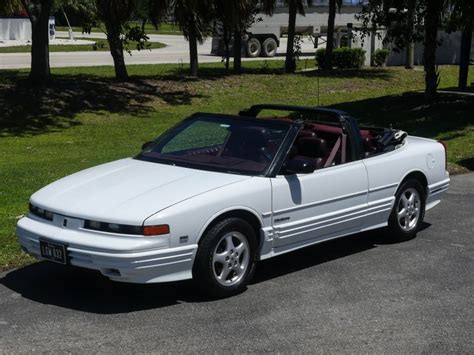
(343, 58)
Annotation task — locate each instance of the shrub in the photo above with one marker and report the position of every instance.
(343, 58)
(380, 57)
(320, 53)
(348, 58)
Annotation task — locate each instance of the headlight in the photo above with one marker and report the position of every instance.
(40, 212)
(113, 227)
(148, 231)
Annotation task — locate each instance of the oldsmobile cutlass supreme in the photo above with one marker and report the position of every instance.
(217, 193)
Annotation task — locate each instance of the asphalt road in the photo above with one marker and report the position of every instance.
(176, 51)
(360, 294)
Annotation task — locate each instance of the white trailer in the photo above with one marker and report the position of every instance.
(264, 35)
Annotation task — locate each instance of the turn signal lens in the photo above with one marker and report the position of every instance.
(156, 230)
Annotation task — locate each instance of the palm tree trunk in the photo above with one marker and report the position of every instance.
(465, 55)
(237, 48)
(330, 35)
(116, 50)
(432, 19)
(290, 64)
(226, 39)
(410, 47)
(193, 53)
(39, 16)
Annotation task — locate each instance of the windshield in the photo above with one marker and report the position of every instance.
(226, 144)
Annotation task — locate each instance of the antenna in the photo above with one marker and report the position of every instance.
(317, 80)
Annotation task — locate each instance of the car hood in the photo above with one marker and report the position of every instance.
(127, 191)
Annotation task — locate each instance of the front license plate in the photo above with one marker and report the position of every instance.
(53, 251)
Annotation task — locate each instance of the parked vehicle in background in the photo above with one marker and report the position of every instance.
(217, 193)
(264, 35)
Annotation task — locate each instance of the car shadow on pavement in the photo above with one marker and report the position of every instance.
(89, 291)
(322, 253)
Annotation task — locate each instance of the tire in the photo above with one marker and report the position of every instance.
(269, 47)
(254, 47)
(408, 211)
(226, 258)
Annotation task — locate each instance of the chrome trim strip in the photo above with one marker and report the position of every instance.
(378, 188)
(439, 184)
(313, 204)
(335, 217)
(328, 216)
(321, 227)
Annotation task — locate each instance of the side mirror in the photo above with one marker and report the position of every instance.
(300, 166)
(146, 145)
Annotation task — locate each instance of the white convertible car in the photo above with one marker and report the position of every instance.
(217, 193)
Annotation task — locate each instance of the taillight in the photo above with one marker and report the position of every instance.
(156, 230)
(445, 154)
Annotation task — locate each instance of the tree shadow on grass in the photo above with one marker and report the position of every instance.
(33, 110)
(368, 73)
(467, 163)
(449, 114)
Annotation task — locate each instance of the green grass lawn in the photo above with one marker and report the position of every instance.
(163, 29)
(86, 118)
(101, 45)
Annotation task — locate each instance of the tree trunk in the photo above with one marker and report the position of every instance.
(290, 64)
(410, 46)
(465, 55)
(193, 53)
(432, 22)
(39, 16)
(116, 50)
(330, 35)
(143, 24)
(237, 51)
(226, 39)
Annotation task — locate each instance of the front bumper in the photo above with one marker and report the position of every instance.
(120, 258)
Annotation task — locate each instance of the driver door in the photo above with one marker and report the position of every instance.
(327, 203)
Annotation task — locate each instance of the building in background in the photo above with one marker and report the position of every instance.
(18, 28)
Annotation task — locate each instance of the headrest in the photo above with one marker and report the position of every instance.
(306, 133)
(250, 134)
(312, 147)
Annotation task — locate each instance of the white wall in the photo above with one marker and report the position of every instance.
(446, 53)
(15, 29)
(19, 28)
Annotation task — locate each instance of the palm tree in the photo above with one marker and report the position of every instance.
(294, 7)
(410, 47)
(244, 11)
(115, 14)
(462, 19)
(193, 18)
(333, 4)
(235, 16)
(38, 12)
(433, 13)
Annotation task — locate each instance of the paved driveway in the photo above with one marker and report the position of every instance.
(360, 294)
(176, 51)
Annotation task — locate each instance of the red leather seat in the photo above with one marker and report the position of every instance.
(312, 148)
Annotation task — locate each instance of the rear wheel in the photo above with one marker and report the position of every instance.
(225, 260)
(254, 47)
(269, 47)
(408, 212)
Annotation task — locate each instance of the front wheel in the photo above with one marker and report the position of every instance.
(408, 212)
(225, 260)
